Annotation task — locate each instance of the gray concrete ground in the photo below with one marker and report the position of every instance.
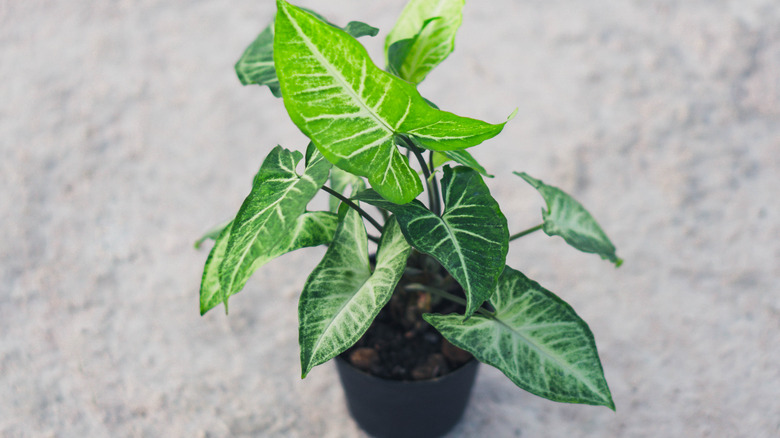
(124, 134)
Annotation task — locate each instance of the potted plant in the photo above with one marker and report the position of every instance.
(437, 291)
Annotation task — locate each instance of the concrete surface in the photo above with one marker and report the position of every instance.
(124, 134)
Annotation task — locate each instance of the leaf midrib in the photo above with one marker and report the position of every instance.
(340, 79)
(295, 180)
(320, 338)
(548, 355)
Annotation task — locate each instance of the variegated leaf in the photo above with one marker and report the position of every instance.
(353, 111)
(470, 239)
(256, 65)
(426, 30)
(535, 339)
(210, 291)
(311, 229)
(279, 195)
(342, 296)
(567, 218)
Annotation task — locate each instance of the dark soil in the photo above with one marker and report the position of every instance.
(400, 345)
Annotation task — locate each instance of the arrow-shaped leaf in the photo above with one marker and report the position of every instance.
(311, 229)
(342, 296)
(270, 211)
(353, 111)
(536, 339)
(567, 218)
(470, 239)
(256, 65)
(425, 35)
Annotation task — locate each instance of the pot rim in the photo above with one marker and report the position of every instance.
(473, 362)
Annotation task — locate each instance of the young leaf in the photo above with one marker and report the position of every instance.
(311, 229)
(352, 110)
(256, 65)
(425, 32)
(470, 239)
(270, 211)
(342, 297)
(567, 218)
(398, 52)
(536, 339)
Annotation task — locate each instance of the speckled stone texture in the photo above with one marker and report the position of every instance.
(124, 134)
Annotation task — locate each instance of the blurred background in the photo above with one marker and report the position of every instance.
(124, 134)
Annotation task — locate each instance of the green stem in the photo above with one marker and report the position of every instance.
(354, 206)
(446, 295)
(437, 210)
(523, 233)
(433, 195)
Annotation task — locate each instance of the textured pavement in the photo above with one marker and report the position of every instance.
(124, 134)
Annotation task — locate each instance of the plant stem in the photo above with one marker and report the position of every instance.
(446, 295)
(354, 206)
(523, 233)
(437, 207)
(433, 195)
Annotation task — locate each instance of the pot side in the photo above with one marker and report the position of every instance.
(391, 408)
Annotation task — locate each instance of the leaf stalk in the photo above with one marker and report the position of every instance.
(525, 232)
(354, 206)
(432, 185)
(448, 296)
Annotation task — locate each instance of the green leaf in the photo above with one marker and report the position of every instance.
(278, 197)
(256, 65)
(461, 157)
(567, 218)
(353, 111)
(210, 291)
(311, 229)
(398, 52)
(340, 181)
(342, 296)
(423, 37)
(358, 29)
(470, 239)
(535, 339)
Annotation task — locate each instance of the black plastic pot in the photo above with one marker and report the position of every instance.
(393, 409)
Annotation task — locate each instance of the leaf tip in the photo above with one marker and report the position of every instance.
(530, 180)
(609, 403)
(512, 116)
(618, 262)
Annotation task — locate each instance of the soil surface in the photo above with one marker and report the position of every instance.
(124, 134)
(393, 350)
(400, 345)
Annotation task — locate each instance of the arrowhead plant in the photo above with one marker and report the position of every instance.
(370, 131)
